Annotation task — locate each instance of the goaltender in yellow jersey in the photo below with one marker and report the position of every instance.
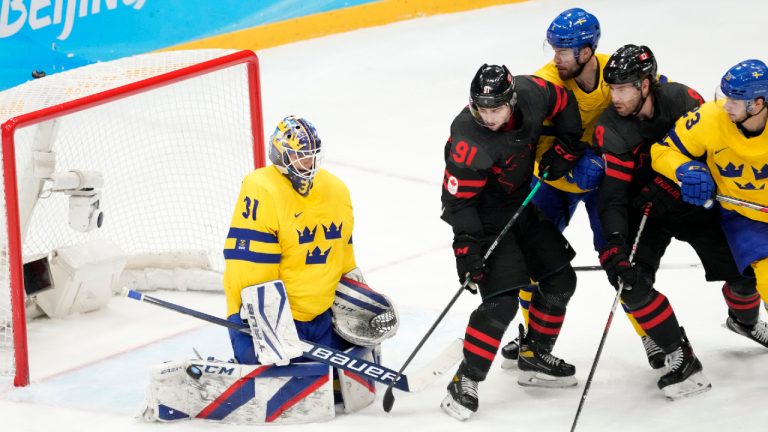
(292, 230)
(306, 241)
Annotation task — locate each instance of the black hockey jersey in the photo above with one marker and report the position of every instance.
(625, 143)
(488, 174)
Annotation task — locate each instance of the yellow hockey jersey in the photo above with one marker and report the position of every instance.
(590, 106)
(739, 165)
(278, 234)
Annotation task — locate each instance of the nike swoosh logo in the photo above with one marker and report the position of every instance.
(718, 151)
(298, 214)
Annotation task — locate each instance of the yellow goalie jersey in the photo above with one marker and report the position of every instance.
(278, 234)
(590, 106)
(739, 165)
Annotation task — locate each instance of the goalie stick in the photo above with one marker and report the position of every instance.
(333, 357)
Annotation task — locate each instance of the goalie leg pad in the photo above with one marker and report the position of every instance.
(266, 309)
(361, 315)
(239, 394)
(357, 391)
(168, 397)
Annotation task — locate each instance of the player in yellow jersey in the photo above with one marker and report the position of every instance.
(723, 147)
(573, 35)
(289, 252)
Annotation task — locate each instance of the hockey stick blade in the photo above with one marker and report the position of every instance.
(443, 363)
(322, 353)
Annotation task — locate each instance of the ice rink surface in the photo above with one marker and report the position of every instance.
(382, 100)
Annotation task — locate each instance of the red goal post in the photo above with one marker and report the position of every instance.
(171, 133)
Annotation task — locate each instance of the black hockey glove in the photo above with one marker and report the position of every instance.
(616, 263)
(661, 192)
(469, 260)
(558, 160)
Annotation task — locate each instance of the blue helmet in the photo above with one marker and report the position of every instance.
(748, 80)
(296, 151)
(574, 28)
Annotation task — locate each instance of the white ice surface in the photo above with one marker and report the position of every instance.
(383, 99)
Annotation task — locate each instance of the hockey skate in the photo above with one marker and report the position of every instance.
(539, 368)
(509, 354)
(684, 377)
(461, 401)
(655, 355)
(758, 333)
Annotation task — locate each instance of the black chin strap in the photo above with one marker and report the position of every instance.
(747, 132)
(583, 65)
(642, 100)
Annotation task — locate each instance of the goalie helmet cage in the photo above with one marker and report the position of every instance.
(172, 133)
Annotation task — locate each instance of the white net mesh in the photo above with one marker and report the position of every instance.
(172, 161)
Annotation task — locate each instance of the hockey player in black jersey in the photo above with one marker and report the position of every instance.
(489, 161)
(643, 112)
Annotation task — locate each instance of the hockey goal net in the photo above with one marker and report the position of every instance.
(165, 138)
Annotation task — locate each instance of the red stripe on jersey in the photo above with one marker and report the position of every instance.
(474, 349)
(618, 175)
(542, 329)
(562, 101)
(742, 306)
(540, 82)
(477, 334)
(466, 183)
(740, 303)
(649, 308)
(546, 317)
(556, 109)
(658, 320)
(611, 159)
(728, 293)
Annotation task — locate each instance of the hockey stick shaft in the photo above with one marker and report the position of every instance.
(616, 299)
(742, 203)
(317, 352)
(663, 266)
(389, 397)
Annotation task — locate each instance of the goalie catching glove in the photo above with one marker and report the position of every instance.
(361, 315)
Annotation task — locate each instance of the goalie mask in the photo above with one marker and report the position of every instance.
(296, 151)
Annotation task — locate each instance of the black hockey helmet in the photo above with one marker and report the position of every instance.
(630, 64)
(491, 87)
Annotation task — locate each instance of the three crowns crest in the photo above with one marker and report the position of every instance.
(307, 236)
(332, 232)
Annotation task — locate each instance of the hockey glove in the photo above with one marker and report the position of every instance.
(696, 183)
(469, 260)
(616, 263)
(558, 160)
(588, 171)
(661, 193)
